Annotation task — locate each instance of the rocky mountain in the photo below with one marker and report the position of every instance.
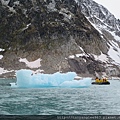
(58, 35)
(109, 28)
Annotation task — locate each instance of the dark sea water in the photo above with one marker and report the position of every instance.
(95, 100)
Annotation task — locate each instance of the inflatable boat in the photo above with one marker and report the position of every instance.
(101, 83)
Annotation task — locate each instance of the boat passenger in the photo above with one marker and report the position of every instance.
(101, 80)
(96, 79)
(105, 79)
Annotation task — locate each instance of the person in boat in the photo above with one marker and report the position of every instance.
(101, 80)
(105, 79)
(97, 79)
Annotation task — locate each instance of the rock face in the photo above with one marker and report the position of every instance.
(59, 33)
(100, 16)
(109, 29)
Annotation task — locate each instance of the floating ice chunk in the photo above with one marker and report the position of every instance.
(13, 84)
(85, 82)
(26, 78)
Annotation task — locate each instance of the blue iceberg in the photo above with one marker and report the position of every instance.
(26, 79)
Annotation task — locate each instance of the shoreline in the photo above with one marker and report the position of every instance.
(8, 78)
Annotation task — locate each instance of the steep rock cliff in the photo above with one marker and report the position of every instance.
(109, 29)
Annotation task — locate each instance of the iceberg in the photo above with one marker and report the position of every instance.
(26, 79)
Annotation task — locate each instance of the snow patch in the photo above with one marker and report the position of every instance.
(33, 64)
(95, 26)
(1, 56)
(71, 56)
(16, 2)
(114, 52)
(76, 1)
(2, 49)
(2, 71)
(101, 57)
(81, 49)
(12, 9)
(115, 36)
(80, 55)
(39, 71)
(5, 2)
(51, 6)
(26, 27)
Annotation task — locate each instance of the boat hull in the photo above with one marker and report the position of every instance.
(102, 83)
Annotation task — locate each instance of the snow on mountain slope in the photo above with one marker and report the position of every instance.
(106, 24)
(99, 15)
(33, 64)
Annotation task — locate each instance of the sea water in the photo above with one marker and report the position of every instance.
(94, 100)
